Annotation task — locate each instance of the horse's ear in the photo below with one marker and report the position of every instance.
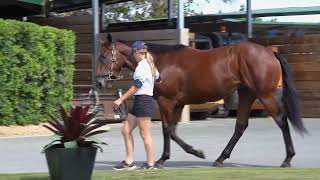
(109, 38)
(101, 41)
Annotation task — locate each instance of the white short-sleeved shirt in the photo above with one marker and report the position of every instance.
(143, 74)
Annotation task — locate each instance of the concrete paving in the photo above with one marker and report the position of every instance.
(261, 145)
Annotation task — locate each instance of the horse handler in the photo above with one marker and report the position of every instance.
(145, 75)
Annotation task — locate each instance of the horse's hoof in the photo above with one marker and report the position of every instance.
(160, 162)
(285, 164)
(217, 164)
(200, 154)
(159, 166)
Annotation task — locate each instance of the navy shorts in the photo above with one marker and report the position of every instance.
(143, 106)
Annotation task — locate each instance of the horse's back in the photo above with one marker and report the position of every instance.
(199, 75)
(249, 64)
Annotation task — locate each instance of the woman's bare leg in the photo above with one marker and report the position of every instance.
(144, 125)
(128, 126)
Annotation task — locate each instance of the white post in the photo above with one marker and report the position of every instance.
(249, 20)
(183, 38)
(95, 47)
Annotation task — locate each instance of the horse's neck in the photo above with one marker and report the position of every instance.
(160, 60)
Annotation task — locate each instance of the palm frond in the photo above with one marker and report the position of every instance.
(91, 128)
(95, 133)
(59, 127)
(52, 130)
(64, 115)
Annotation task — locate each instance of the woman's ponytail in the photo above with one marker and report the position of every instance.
(151, 64)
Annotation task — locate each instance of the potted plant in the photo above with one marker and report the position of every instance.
(72, 152)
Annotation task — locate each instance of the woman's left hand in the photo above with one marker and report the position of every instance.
(117, 102)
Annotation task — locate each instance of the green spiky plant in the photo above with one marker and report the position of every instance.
(75, 128)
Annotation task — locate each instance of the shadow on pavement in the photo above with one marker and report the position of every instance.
(34, 178)
(105, 165)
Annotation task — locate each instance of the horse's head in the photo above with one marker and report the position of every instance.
(113, 56)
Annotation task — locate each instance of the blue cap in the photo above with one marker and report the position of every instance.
(139, 45)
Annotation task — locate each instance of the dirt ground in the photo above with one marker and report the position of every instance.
(36, 130)
(29, 130)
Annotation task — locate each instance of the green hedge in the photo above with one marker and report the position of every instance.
(36, 71)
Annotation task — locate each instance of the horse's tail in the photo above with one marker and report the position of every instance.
(290, 96)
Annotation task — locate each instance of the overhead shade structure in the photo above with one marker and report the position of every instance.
(20, 8)
(68, 5)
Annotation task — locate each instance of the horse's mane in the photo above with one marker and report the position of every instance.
(159, 48)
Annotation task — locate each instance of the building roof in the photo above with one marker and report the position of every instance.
(273, 22)
(289, 11)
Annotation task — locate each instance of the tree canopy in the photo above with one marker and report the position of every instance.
(138, 10)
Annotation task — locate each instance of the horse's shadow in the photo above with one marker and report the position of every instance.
(105, 165)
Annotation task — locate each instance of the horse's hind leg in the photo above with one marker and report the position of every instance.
(276, 110)
(244, 107)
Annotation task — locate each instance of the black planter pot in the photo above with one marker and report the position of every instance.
(71, 163)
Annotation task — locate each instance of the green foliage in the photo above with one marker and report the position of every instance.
(36, 71)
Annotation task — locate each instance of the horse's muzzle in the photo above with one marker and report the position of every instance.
(103, 82)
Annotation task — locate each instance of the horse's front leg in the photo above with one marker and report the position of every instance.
(166, 142)
(186, 147)
(165, 107)
(173, 134)
(169, 130)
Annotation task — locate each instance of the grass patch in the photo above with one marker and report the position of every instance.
(192, 174)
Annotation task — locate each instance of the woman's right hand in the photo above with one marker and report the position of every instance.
(117, 102)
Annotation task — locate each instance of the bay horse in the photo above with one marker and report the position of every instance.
(191, 76)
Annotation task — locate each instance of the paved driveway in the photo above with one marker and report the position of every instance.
(261, 145)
